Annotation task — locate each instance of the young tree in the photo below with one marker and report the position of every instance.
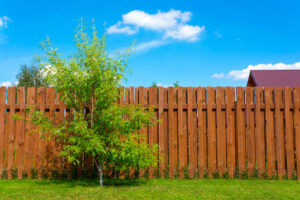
(92, 78)
(30, 76)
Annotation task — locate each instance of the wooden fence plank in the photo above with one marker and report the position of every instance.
(297, 127)
(2, 127)
(21, 99)
(211, 132)
(259, 132)
(181, 136)
(59, 118)
(162, 153)
(221, 131)
(230, 94)
(151, 129)
(192, 137)
(250, 137)
(279, 133)
(41, 91)
(202, 139)
(270, 133)
(29, 142)
(172, 135)
(143, 131)
(11, 99)
(165, 134)
(289, 137)
(241, 137)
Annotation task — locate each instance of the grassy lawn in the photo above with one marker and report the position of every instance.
(152, 189)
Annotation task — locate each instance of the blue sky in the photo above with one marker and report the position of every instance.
(198, 43)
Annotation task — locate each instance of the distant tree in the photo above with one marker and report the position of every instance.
(154, 84)
(176, 84)
(30, 76)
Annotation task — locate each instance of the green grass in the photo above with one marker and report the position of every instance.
(152, 189)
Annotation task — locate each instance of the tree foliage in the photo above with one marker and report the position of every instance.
(30, 76)
(92, 78)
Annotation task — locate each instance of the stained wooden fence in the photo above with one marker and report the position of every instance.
(203, 131)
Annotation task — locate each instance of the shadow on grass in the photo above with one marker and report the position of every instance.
(93, 182)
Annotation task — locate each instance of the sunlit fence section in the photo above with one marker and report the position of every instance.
(203, 131)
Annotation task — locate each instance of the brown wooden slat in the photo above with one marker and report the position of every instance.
(181, 136)
(297, 127)
(241, 137)
(151, 130)
(270, 133)
(11, 97)
(132, 102)
(211, 132)
(2, 127)
(259, 132)
(279, 133)
(250, 137)
(21, 130)
(41, 143)
(202, 154)
(143, 131)
(59, 118)
(230, 94)
(172, 135)
(162, 154)
(29, 145)
(221, 131)
(289, 138)
(192, 137)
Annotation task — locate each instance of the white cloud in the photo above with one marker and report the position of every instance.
(172, 24)
(150, 45)
(8, 84)
(185, 32)
(217, 76)
(4, 21)
(164, 85)
(244, 73)
(118, 28)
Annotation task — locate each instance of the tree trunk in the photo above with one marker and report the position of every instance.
(100, 172)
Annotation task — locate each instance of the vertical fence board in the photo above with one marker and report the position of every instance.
(172, 135)
(241, 130)
(250, 137)
(11, 99)
(202, 153)
(165, 133)
(230, 94)
(192, 139)
(21, 130)
(259, 132)
(2, 127)
(221, 130)
(42, 143)
(29, 141)
(279, 133)
(297, 127)
(181, 134)
(60, 117)
(162, 153)
(151, 129)
(289, 138)
(270, 132)
(211, 132)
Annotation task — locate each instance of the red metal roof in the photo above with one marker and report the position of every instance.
(275, 78)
